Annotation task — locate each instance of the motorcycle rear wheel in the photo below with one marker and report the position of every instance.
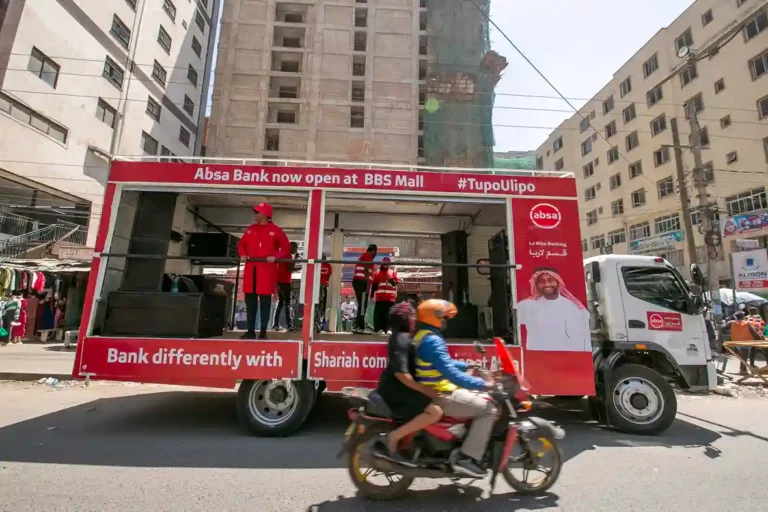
(529, 457)
(394, 489)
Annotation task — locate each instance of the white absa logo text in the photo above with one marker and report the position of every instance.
(546, 216)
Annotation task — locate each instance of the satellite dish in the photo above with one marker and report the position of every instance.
(683, 52)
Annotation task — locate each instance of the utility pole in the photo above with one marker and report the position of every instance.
(685, 201)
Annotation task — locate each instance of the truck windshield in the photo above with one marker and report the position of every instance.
(660, 286)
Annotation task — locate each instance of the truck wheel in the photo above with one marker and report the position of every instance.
(641, 401)
(274, 408)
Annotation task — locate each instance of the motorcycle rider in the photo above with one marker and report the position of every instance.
(458, 391)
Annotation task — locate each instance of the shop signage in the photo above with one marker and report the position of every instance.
(747, 223)
(750, 269)
(76, 253)
(659, 243)
(747, 243)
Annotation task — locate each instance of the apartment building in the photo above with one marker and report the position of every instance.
(81, 81)
(619, 144)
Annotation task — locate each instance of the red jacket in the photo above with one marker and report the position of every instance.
(285, 271)
(262, 241)
(385, 290)
(325, 273)
(364, 272)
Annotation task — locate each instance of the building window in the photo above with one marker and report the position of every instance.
(654, 96)
(148, 144)
(708, 172)
(287, 91)
(632, 141)
(651, 65)
(358, 91)
(559, 165)
(617, 237)
(591, 217)
(539, 159)
(153, 108)
(617, 207)
(358, 65)
(725, 122)
(597, 242)
(635, 169)
(703, 137)
(765, 148)
(639, 231)
(638, 198)
(658, 125)
(423, 46)
(589, 193)
(762, 107)
(286, 117)
(131, 3)
(665, 187)
(192, 76)
(293, 17)
(757, 25)
(719, 86)
(584, 245)
(629, 113)
(289, 66)
(589, 170)
(189, 106)
(361, 18)
(26, 115)
(170, 9)
(272, 140)
(732, 157)
(615, 181)
(420, 146)
(196, 46)
(360, 41)
(748, 201)
(164, 151)
(584, 125)
(608, 104)
(759, 65)
(739, 3)
(613, 154)
(625, 87)
(113, 73)
(667, 223)
(200, 21)
(43, 67)
(164, 39)
(661, 156)
(558, 144)
(121, 31)
(707, 18)
(184, 136)
(684, 40)
(597, 161)
(697, 102)
(688, 75)
(105, 113)
(357, 117)
(159, 73)
(610, 129)
(586, 147)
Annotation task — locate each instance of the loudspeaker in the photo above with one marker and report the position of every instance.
(151, 235)
(501, 291)
(455, 279)
(464, 324)
(212, 245)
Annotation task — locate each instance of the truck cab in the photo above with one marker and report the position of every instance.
(648, 335)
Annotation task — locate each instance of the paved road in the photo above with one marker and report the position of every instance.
(119, 447)
(35, 360)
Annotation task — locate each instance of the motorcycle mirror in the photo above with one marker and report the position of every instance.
(479, 347)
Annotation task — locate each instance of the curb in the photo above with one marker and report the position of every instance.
(28, 377)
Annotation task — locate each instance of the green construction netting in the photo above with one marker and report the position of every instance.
(527, 163)
(458, 128)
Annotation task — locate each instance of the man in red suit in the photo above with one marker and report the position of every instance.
(262, 239)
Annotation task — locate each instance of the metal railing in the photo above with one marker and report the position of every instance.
(15, 225)
(62, 231)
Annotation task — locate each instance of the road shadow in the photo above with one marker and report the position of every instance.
(201, 429)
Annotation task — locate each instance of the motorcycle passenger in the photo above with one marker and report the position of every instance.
(404, 396)
(458, 391)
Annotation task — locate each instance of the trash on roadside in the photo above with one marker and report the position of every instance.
(726, 390)
(50, 381)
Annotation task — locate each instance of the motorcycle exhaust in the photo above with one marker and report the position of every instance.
(386, 466)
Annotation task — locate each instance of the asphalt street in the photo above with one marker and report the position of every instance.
(114, 447)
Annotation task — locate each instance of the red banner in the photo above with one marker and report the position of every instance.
(664, 321)
(341, 179)
(191, 362)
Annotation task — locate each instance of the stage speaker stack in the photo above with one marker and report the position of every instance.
(501, 292)
(456, 286)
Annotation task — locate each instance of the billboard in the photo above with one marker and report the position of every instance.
(750, 269)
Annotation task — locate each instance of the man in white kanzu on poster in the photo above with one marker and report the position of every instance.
(554, 319)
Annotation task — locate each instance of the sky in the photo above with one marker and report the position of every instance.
(576, 44)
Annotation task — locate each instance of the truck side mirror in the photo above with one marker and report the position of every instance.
(697, 276)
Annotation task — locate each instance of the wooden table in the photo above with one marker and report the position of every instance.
(757, 373)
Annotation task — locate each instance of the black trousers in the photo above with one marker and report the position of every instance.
(283, 302)
(361, 295)
(381, 315)
(260, 303)
(322, 303)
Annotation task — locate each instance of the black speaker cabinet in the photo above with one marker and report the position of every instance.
(464, 324)
(455, 279)
(165, 315)
(501, 291)
(212, 245)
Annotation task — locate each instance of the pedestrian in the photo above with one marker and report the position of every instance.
(360, 284)
(348, 313)
(757, 322)
(322, 303)
(384, 295)
(742, 330)
(284, 277)
(266, 241)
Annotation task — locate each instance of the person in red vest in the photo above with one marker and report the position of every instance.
(262, 239)
(384, 295)
(322, 303)
(284, 274)
(360, 282)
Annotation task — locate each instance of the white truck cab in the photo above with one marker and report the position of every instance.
(648, 334)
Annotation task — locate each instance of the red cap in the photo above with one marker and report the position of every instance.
(386, 260)
(264, 208)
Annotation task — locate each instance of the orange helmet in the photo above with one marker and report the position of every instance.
(435, 312)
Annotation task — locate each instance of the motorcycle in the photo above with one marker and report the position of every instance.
(433, 449)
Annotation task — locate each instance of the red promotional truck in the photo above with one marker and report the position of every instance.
(508, 241)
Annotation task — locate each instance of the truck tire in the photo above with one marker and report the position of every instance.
(274, 408)
(640, 400)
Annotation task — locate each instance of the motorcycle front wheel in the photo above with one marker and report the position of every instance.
(527, 459)
(371, 483)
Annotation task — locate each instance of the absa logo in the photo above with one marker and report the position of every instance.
(656, 321)
(545, 216)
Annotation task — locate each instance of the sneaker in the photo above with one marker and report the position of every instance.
(262, 335)
(248, 336)
(469, 467)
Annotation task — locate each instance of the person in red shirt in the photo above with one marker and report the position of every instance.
(384, 295)
(322, 303)
(360, 282)
(262, 239)
(284, 274)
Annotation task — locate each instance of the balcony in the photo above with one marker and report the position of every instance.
(284, 87)
(287, 62)
(289, 37)
(286, 12)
